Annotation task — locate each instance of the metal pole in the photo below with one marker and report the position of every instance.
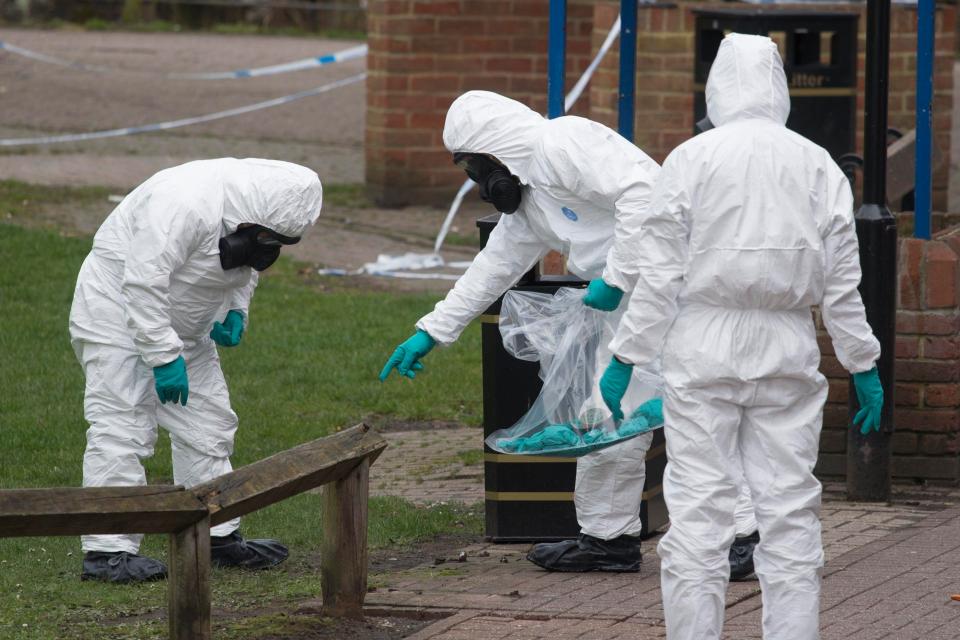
(868, 457)
(556, 57)
(628, 67)
(923, 185)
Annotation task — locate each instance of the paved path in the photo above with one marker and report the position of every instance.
(429, 463)
(897, 587)
(889, 574)
(324, 132)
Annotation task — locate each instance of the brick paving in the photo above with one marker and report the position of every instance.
(890, 568)
(896, 587)
(429, 463)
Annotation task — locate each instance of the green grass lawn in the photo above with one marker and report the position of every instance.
(306, 367)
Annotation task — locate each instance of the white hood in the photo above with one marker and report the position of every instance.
(486, 122)
(747, 82)
(281, 196)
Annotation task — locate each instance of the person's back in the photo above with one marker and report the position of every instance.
(761, 206)
(768, 227)
(750, 226)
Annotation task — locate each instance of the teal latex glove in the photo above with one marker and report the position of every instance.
(602, 296)
(406, 358)
(652, 411)
(870, 395)
(171, 381)
(634, 426)
(555, 436)
(613, 384)
(228, 333)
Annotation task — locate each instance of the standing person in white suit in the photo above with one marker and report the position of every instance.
(750, 225)
(577, 187)
(170, 276)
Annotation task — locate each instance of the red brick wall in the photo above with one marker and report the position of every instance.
(424, 53)
(664, 102)
(926, 442)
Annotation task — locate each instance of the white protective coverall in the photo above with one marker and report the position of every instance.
(585, 193)
(750, 226)
(148, 292)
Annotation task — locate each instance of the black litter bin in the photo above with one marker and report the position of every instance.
(819, 51)
(530, 498)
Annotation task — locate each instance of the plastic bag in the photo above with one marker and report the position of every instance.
(570, 341)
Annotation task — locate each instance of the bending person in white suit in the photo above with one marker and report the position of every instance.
(578, 187)
(170, 277)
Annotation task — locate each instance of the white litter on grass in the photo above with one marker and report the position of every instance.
(405, 266)
(412, 261)
(413, 275)
(410, 264)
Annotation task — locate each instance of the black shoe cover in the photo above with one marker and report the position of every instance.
(121, 567)
(587, 553)
(234, 551)
(741, 556)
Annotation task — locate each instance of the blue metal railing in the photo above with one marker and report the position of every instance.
(556, 57)
(628, 68)
(923, 183)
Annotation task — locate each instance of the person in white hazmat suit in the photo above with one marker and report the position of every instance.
(170, 276)
(577, 187)
(750, 225)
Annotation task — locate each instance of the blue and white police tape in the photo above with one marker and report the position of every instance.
(173, 124)
(296, 65)
(33, 55)
(306, 63)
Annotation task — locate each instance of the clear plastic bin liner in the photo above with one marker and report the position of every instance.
(570, 341)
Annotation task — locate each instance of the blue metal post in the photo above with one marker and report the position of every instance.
(556, 57)
(923, 186)
(628, 67)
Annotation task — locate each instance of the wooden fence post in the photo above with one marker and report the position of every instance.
(189, 588)
(343, 564)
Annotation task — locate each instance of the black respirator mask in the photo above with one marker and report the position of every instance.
(254, 246)
(497, 185)
(703, 124)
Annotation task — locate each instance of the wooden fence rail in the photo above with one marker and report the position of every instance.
(340, 463)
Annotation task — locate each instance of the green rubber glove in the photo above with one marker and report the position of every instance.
(613, 384)
(171, 382)
(229, 333)
(602, 296)
(870, 395)
(652, 411)
(406, 358)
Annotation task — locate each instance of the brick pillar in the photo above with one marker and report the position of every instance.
(929, 327)
(424, 53)
(926, 442)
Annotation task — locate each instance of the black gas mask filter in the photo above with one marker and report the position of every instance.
(252, 246)
(497, 185)
(703, 124)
